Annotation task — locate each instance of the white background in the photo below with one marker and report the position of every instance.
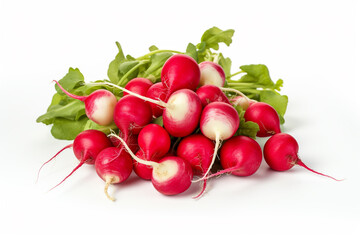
(309, 44)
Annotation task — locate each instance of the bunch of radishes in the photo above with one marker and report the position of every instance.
(189, 97)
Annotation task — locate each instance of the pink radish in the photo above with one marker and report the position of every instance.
(211, 74)
(170, 176)
(138, 85)
(99, 105)
(157, 92)
(181, 114)
(180, 72)
(211, 93)
(219, 121)
(113, 165)
(131, 114)
(198, 150)
(265, 116)
(154, 143)
(281, 153)
(86, 146)
(242, 102)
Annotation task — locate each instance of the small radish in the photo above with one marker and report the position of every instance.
(281, 153)
(99, 105)
(131, 114)
(265, 116)
(198, 150)
(211, 93)
(86, 146)
(138, 85)
(219, 121)
(113, 165)
(180, 72)
(242, 102)
(170, 176)
(211, 74)
(154, 143)
(157, 92)
(181, 114)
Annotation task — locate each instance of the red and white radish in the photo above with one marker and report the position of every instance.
(211, 73)
(265, 116)
(180, 72)
(113, 165)
(219, 121)
(86, 146)
(99, 105)
(143, 171)
(131, 115)
(138, 85)
(198, 150)
(157, 92)
(170, 176)
(281, 153)
(211, 93)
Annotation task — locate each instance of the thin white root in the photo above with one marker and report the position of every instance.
(235, 91)
(136, 158)
(107, 184)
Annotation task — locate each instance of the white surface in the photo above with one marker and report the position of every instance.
(309, 44)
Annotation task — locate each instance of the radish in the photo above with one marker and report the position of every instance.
(138, 85)
(211, 93)
(242, 102)
(265, 116)
(157, 92)
(219, 121)
(99, 105)
(154, 143)
(113, 165)
(281, 153)
(198, 150)
(86, 146)
(211, 73)
(181, 114)
(170, 176)
(131, 114)
(180, 72)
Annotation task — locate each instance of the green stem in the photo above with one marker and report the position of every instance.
(232, 75)
(245, 85)
(249, 90)
(131, 71)
(157, 51)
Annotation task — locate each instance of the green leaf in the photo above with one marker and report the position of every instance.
(153, 48)
(225, 63)
(105, 129)
(71, 80)
(246, 128)
(192, 51)
(257, 73)
(67, 129)
(157, 61)
(277, 101)
(158, 121)
(213, 36)
(113, 71)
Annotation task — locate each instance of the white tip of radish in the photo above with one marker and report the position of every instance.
(178, 106)
(103, 110)
(165, 171)
(211, 74)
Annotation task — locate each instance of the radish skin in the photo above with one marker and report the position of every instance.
(211, 93)
(138, 85)
(99, 105)
(157, 92)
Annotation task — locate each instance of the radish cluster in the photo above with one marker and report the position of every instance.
(200, 125)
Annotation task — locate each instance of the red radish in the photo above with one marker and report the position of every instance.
(281, 153)
(181, 114)
(219, 121)
(138, 85)
(242, 102)
(86, 146)
(131, 142)
(99, 105)
(211, 74)
(211, 93)
(180, 72)
(170, 176)
(265, 116)
(113, 165)
(131, 114)
(154, 143)
(198, 150)
(157, 92)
